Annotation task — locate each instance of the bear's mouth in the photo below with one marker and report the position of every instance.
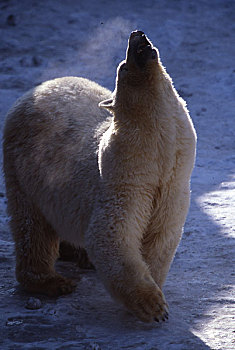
(140, 49)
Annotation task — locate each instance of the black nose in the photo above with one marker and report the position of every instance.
(136, 33)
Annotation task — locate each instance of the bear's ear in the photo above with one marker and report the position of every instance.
(108, 104)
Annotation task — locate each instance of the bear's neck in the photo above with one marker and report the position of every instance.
(147, 106)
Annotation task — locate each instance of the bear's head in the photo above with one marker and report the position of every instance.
(141, 55)
(137, 76)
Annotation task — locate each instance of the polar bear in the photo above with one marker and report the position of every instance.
(112, 177)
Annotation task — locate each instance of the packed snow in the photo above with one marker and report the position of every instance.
(41, 40)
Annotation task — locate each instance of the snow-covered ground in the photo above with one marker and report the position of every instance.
(41, 40)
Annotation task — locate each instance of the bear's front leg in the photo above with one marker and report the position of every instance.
(164, 231)
(113, 244)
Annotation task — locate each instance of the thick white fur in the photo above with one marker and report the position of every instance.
(117, 184)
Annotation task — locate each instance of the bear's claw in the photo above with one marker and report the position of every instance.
(148, 305)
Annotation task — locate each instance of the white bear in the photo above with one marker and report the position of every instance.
(113, 179)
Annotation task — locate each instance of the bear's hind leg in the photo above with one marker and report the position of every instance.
(36, 245)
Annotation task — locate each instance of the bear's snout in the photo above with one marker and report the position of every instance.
(140, 49)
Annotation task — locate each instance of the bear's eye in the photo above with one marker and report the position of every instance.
(123, 67)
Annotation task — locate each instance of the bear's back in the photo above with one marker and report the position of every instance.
(68, 103)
